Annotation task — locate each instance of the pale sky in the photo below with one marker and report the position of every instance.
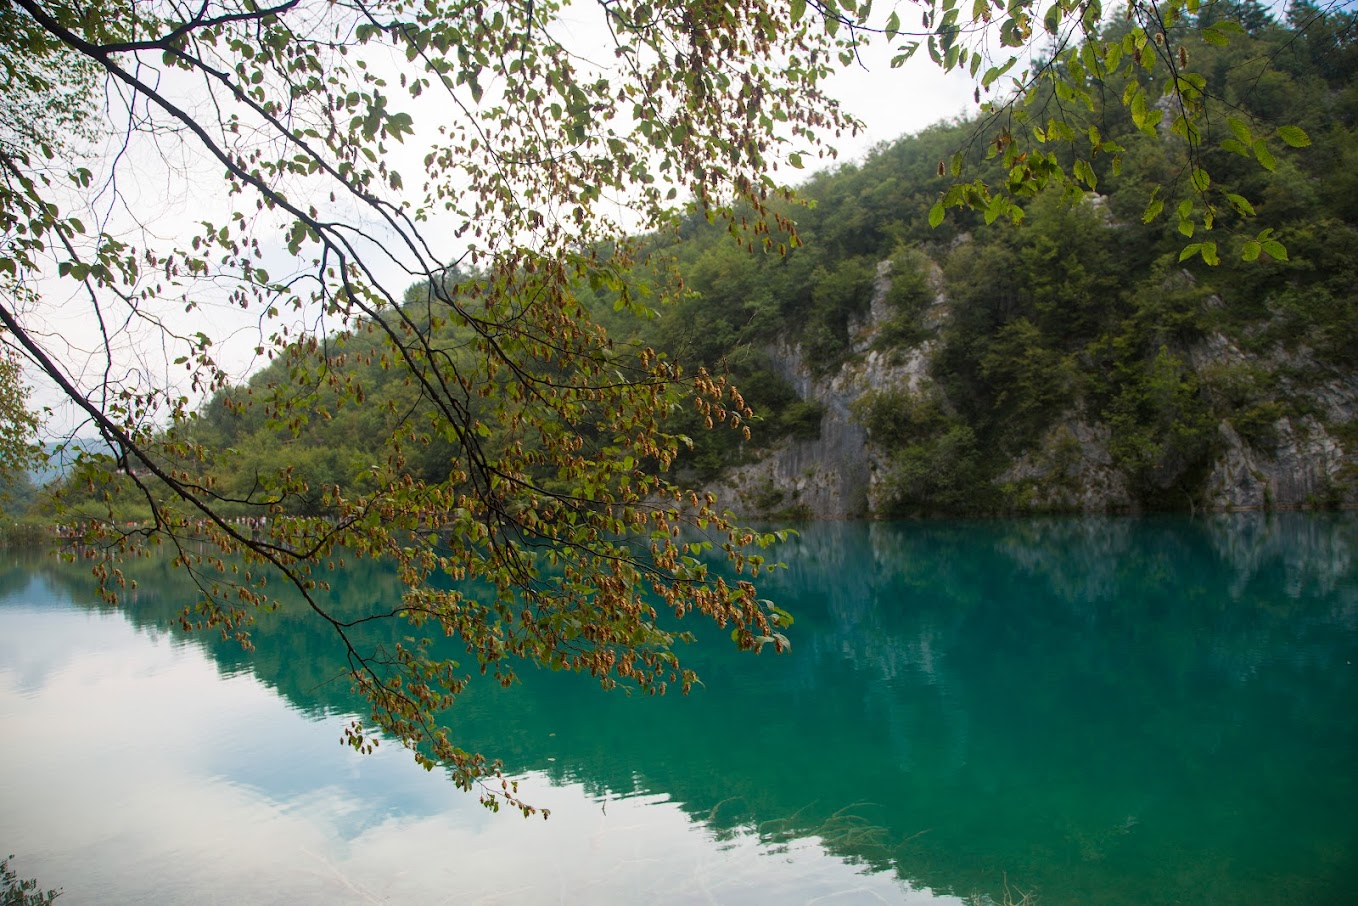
(897, 102)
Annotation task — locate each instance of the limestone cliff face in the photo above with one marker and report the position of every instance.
(1298, 461)
(1071, 470)
(832, 476)
(1305, 465)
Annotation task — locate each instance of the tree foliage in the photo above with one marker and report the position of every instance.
(549, 438)
(18, 428)
(16, 891)
(1063, 315)
(508, 437)
(1145, 68)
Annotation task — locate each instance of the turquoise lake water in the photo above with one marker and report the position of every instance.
(1097, 711)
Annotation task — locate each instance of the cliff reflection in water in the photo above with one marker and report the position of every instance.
(1109, 711)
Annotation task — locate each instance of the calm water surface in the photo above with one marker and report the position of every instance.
(1099, 711)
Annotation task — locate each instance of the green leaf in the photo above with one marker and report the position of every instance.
(1294, 136)
(1239, 130)
(1190, 250)
(1209, 254)
(1264, 156)
(1152, 210)
(1241, 204)
(1085, 173)
(1138, 106)
(1251, 250)
(998, 205)
(1089, 58)
(1275, 249)
(1191, 81)
(1112, 57)
(893, 24)
(798, 10)
(936, 214)
(1052, 20)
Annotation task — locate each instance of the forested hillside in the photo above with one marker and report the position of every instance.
(1086, 356)
(1071, 360)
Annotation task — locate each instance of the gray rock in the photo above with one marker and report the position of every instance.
(1300, 462)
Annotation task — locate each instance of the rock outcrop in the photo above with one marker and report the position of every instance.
(831, 476)
(1298, 461)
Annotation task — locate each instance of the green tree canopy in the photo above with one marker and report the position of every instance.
(18, 427)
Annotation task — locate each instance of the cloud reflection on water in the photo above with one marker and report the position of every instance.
(136, 773)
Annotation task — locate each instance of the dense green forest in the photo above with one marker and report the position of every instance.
(1084, 309)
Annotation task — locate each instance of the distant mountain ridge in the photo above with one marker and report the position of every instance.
(59, 456)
